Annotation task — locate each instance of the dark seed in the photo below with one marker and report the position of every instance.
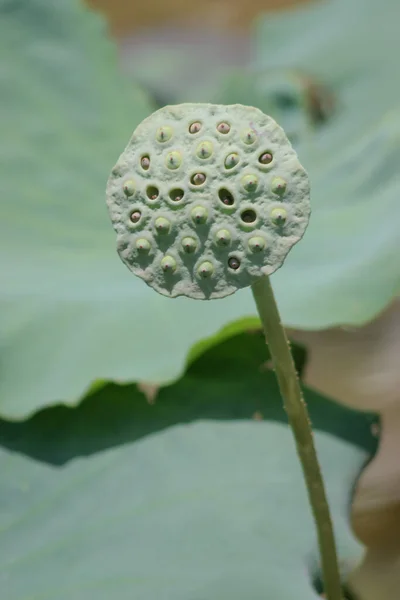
(195, 127)
(198, 178)
(234, 263)
(248, 216)
(265, 158)
(224, 127)
(135, 216)
(145, 162)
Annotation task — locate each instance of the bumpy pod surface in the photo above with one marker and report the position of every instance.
(206, 217)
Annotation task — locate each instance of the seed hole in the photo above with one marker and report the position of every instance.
(135, 216)
(231, 160)
(226, 197)
(265, 158)
(152, 192)
(234, 263)
(248, 216)
(195, 127)
(198, 179)
(145, 162)
(176, 195)
(224, 127)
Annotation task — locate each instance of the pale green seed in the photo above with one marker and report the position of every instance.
(249, 183)
(143, 246)
(189, 244)
(248, 136)
(278, 216)
(204, 150)
(168, 264)
(173, 160)
(223, 237)
(129, 187)
(162, 225)
(256, 244)
(231, 160)
(164, 133)
(278, 186)
(199, 214)
(205, 269)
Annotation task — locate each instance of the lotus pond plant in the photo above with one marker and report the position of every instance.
(207, 199)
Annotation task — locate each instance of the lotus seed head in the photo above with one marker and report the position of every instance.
(248, 136)
(256, 243)
(199, 214)
(189, 244)
(278, 216)
(143, 246)
(173, 160)
(204, 150)
(162, 225)
(195, 127)
(129, 187)
(249, 182)
(168, 264)
(224, 127)
(164, 133)
(206, 198)
(135, 216)
(231, 160)
(234, 263)
(278, 186)
(265, 158)
(205, 269)
(198, 179)
(145, 162)
(223, 237)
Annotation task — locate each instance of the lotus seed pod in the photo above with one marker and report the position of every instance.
(278, 186)
(224, 218)
(168, 264)
(164, 133)
(143, 245)
(204, 150)
(173, 160)
(223, 237)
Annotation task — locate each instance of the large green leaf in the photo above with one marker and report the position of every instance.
(347, 269)
(70, 311)
(188, 498)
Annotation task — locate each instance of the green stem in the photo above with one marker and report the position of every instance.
(300, 423)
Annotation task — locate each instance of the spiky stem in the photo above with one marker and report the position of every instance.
(300, 423)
